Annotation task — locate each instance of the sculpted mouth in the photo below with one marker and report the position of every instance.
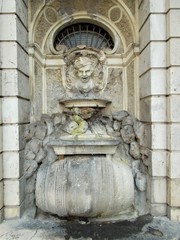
(85, 79)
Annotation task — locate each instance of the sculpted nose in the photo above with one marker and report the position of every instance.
(84, 74)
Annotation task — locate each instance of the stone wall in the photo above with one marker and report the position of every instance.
(152, 28)
(159, 96)
(1, 159)
(15, 103)
(173, 108)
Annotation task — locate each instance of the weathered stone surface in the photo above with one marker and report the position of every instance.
(127, 134)
(40, 131)
(50, 156)
(144, 155)
(106, 120)
(111, 132)
(140, 180)
(127, 121)
(139, 129)
(134, 150)
(82, 125)
(97, 128)
(120, 115)
(122, 154)
(77, 187)
(41, 155)
(29, 131)
(30, 166)
(34, 145)
(46, 140)
(29, 155)
(70, 126)
(135, 167)
(30, 184)
(141, 202)
(30, 207)
(116, 125)
(59, 119)
(49, 122)
(29, 200)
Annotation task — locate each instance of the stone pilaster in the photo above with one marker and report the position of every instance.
(15, 100)
(173, 92)
(152, 30)
(1, 160)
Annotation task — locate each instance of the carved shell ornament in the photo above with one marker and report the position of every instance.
(85, 72)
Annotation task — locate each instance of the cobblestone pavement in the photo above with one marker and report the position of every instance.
(145, 227)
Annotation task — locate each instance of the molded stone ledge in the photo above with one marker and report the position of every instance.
(14, 191)
(85, 146)
(14, 83)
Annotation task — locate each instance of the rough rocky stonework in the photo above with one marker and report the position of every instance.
(87, 179)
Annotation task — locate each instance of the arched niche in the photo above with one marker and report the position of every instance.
(118, 18)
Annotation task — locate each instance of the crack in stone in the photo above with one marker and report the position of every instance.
(34, 235)
(5, 234)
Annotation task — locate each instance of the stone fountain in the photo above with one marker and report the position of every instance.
(97, 157)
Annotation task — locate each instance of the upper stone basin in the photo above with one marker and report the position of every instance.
(84, 102)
